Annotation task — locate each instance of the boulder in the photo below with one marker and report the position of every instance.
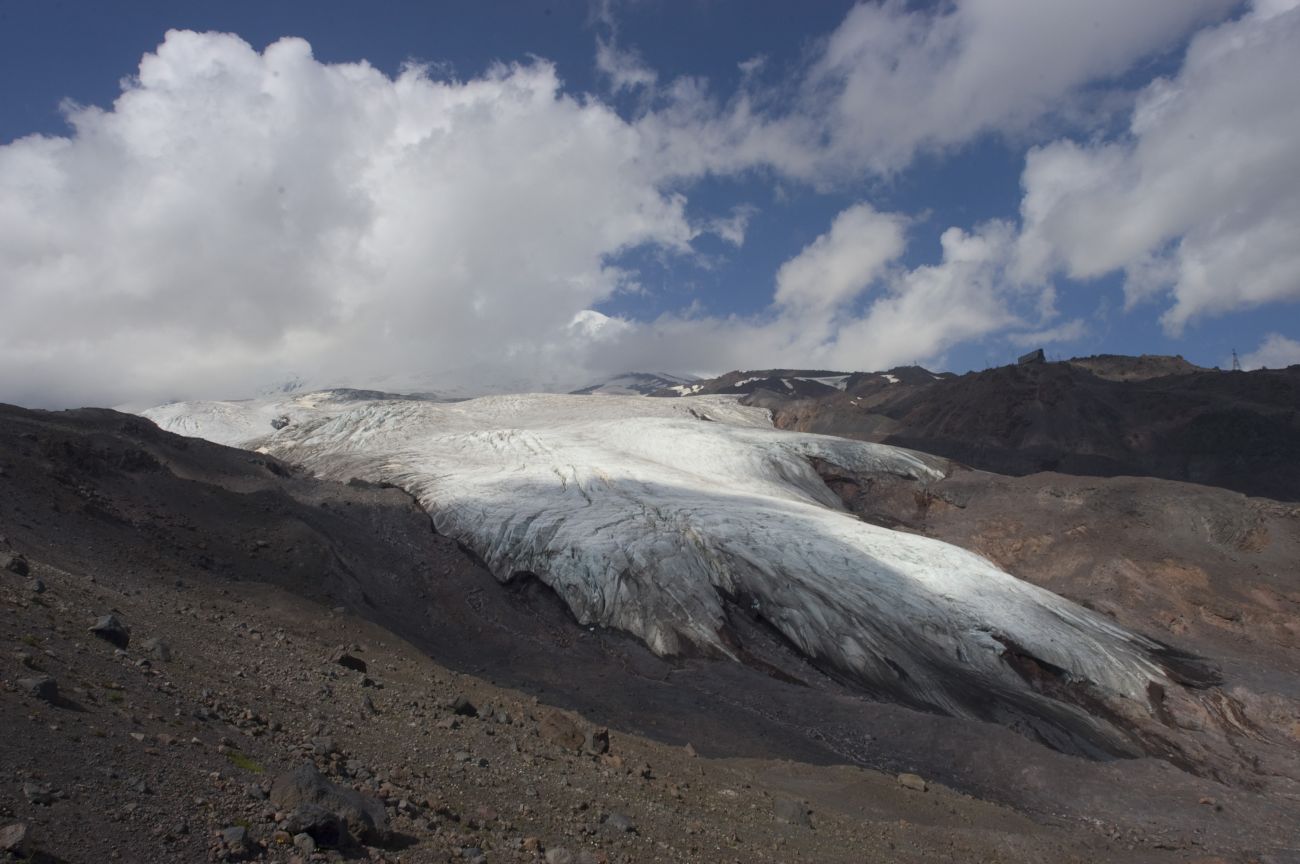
(235, 839)
(322, 825)
(790, 811)
(911, 781)
(42, 687)
(158, 649)
(15, 839)
(111, 630)
(561, 731)
(348, 660)
(363, 816)
(597, 742)
(16, 564)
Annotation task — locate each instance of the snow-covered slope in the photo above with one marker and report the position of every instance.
(644, 514)
(633, 384)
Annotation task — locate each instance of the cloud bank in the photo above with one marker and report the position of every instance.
(238, 215)
(1198, 202)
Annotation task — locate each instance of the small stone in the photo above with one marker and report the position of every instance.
(304, 843)
(559, 855)
(17, 564)
(690, 750)
(620, 823)
(36, 586)
(158, 649)
(790, 811)
(597, 743)
(463, 707)
(912, 781)
(42, 687)
(41, 795)
(236, 840)
(15, 839)
(324, 745)
(111, 630)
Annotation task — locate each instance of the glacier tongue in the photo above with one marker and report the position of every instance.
(643, 514)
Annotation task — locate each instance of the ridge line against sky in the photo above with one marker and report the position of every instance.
(549, 196)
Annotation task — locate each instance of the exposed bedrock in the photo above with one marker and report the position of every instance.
(1202, 572)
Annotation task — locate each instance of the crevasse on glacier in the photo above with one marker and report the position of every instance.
(642, 513)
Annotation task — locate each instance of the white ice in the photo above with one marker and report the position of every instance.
(642, 513)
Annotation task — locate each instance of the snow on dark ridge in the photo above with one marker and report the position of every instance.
(644, 519)
(634, 384)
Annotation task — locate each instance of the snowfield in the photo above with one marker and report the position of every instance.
(643, 514)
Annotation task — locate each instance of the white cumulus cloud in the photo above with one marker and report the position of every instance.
(236, 213)
(1275, 352)
(1199, 200)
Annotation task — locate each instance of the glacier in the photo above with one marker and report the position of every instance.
(651, 516)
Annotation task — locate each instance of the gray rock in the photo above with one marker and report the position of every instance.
(620, 823)
(16, 564)
(304, 843)
(15, 839)
(42, 687)
(35, 586)
(791, 811)
(324, 745)
(911, 781)
(111, 630)
(597, 742)
(158, 649)
(363, 815)
(237, 843)
(463, 707)
(42, 794)
(559, 855)
(317, 822)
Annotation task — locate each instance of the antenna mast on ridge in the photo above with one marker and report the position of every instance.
(1236, 364)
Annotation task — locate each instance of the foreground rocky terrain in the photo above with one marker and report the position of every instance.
(276, 621)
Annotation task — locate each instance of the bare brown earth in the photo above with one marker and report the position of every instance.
(253, 575)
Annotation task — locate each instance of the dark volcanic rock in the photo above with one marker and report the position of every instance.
(349, 660)
(318, 822)
(111, 630)
(363, 816)
(16, 564)
(1236, 430)
(42, 687)
(597, 742)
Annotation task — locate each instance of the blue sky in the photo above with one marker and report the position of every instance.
(768, 184)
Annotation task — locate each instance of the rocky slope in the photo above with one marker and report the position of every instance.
(253, 576)
(254, 698)
(1236, 430)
